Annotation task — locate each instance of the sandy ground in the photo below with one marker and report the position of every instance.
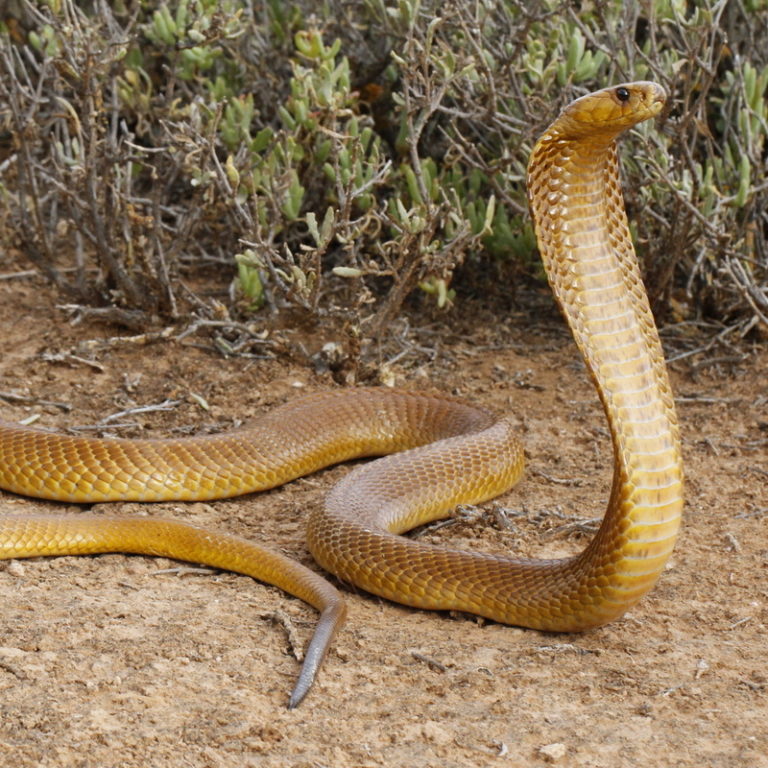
(108, 661)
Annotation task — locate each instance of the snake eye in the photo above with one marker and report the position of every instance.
(622, 94)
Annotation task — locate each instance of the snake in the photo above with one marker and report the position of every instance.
(435, 451)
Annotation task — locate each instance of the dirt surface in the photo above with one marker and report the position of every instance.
(108, 661)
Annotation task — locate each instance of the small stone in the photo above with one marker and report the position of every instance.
(15, 568)
(553, 752)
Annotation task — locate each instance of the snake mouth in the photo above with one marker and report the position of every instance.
(655, 107)
(658, 101)
(650, 99)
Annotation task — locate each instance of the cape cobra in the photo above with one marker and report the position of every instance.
(467, 455)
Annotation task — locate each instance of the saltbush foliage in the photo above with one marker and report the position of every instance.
(225, 158)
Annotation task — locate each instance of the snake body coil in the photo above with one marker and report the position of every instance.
(450, 452)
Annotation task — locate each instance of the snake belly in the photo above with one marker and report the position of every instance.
(449, 452)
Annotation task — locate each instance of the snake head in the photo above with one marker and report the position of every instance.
(605, 114)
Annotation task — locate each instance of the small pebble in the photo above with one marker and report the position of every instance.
(15, 568)
(553, 752)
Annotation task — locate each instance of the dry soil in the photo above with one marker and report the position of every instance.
(114, 661)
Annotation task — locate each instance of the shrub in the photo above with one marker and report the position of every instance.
(226, 158)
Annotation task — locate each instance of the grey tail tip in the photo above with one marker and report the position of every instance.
(298, 694)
